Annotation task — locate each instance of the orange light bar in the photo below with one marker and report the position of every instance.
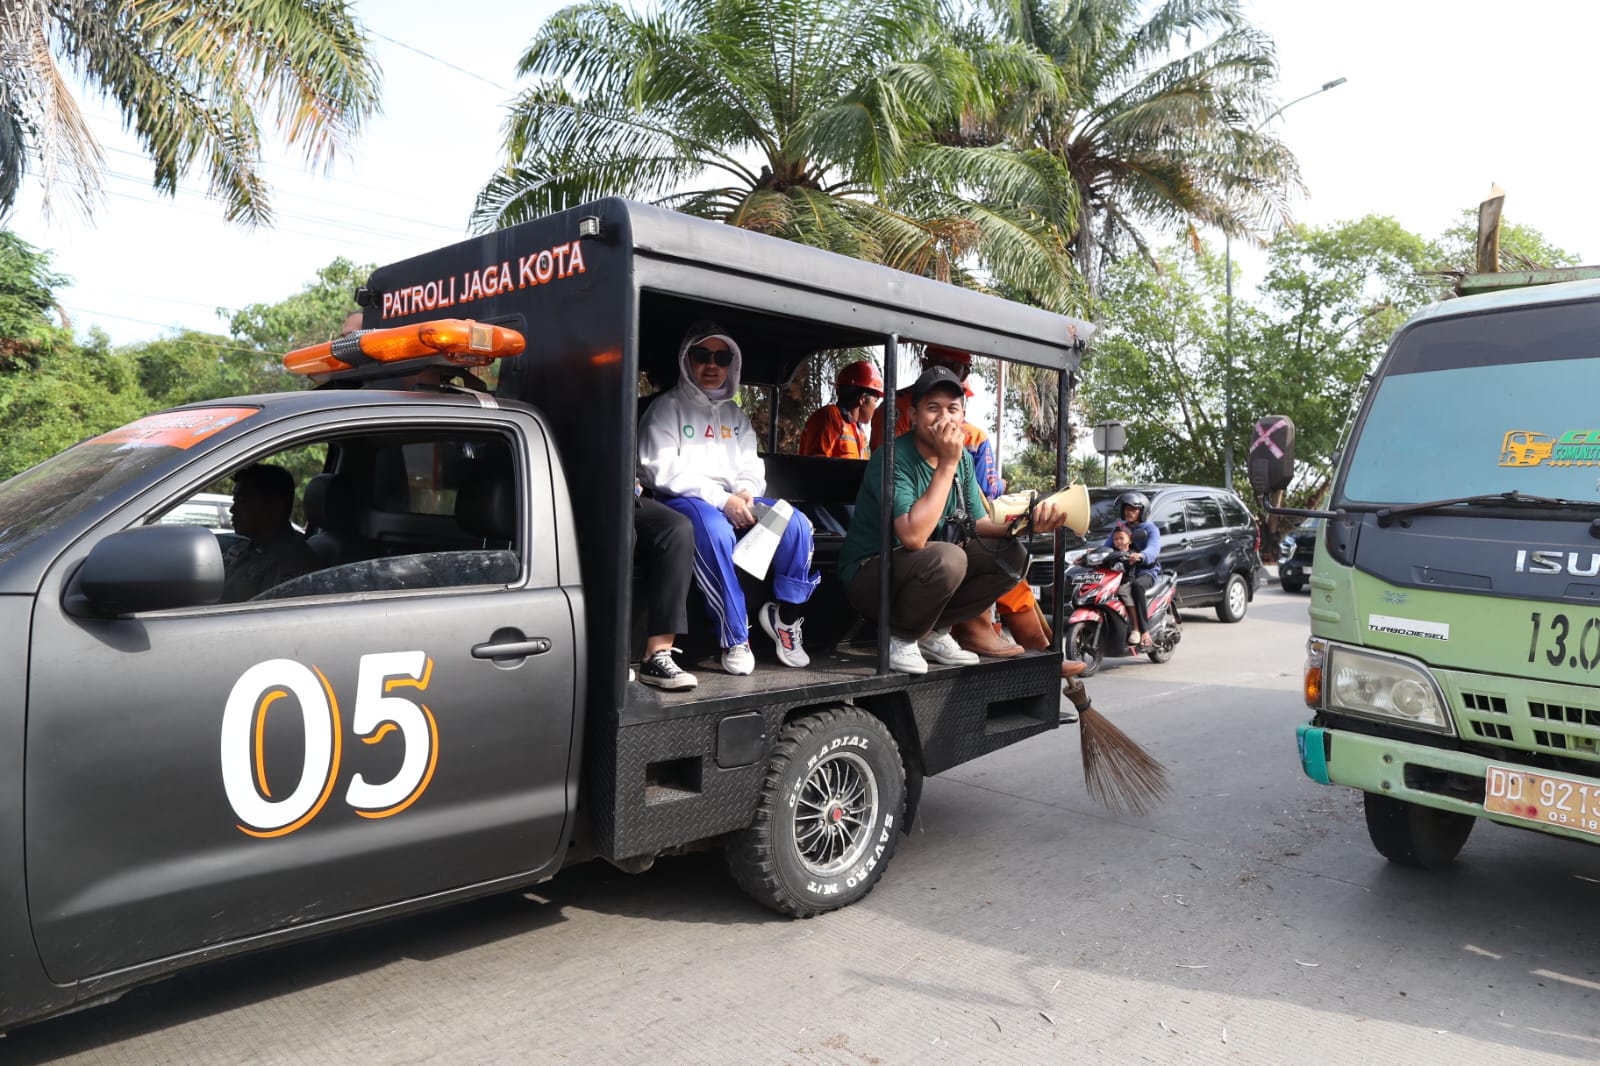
(459, 340)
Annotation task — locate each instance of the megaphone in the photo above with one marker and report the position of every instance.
(1074, 500)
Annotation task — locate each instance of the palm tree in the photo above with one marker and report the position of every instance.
(1159, 123)
(190, 80)
(807, 119)
(1159, 126)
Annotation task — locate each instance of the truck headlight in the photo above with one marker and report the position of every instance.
(1376, 685)
(1286, 548)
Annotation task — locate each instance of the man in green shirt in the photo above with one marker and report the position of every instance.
(933, 583)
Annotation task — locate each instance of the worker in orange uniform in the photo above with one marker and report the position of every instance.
(1019, 610)
(839, 430)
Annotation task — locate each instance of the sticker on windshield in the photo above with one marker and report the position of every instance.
(1408, 627)
(176, 429)
(1528, 447)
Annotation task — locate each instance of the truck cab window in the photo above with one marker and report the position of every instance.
(401, 512)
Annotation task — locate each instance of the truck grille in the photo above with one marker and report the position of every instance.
(1540, 716)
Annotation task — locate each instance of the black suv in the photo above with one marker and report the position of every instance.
(1208, 538)
(1295, 554)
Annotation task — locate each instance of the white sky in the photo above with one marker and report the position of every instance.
(1442, 100)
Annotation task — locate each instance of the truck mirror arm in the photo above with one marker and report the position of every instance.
(1298, 512)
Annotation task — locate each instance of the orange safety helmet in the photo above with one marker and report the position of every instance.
(863, 375)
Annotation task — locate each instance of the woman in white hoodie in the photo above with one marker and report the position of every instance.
(697, 453)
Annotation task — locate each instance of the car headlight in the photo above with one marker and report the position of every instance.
(1286, 549)
(1376, 685)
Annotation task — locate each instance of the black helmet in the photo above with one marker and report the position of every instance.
(1133, 499)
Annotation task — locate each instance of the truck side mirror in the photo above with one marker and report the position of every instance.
(1272, 455)
(150, 568)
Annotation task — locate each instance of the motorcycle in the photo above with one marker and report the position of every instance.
(1098, 622)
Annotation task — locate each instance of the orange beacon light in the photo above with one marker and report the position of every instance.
(458, 341)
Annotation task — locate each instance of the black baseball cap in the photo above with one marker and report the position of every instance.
(933, 378)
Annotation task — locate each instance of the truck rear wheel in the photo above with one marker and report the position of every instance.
(1417, 836)
(829, 815)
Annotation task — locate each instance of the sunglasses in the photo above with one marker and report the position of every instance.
(722, 357)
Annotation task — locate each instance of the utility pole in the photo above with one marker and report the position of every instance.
(1227, 272)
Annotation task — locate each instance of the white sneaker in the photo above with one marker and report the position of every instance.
(791, 649)
(941, 647)
(738, 660)
(905, 657)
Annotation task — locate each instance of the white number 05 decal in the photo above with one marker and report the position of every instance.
(377, 714)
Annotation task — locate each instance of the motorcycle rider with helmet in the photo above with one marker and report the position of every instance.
(1133, 508)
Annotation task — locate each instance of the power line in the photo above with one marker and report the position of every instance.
(291, 194)
(167, 325)
(265, 163)
(174, 206)
(340, 224)
(441, 62)
(158, 299)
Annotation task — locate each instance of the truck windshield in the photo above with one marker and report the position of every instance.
(38, 500)
(1485, 403)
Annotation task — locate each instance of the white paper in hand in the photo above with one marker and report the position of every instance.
(753, 554)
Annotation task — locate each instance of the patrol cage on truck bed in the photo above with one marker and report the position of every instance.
(603, 293)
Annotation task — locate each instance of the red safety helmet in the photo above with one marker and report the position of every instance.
(863, 375)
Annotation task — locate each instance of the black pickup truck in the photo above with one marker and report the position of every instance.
(444, 709)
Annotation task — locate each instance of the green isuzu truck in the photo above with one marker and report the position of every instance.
(1454, 654)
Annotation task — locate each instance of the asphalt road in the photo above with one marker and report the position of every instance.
(1247, 920)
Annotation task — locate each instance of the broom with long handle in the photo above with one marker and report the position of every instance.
(1116, 770)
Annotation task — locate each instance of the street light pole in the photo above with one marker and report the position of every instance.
(1227, 276)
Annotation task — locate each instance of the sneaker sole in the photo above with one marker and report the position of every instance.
(949, 660)
(673, 684)
(766, 627)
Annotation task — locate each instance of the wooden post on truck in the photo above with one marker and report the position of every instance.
(1489, 230)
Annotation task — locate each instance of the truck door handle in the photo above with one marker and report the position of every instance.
(511, 649)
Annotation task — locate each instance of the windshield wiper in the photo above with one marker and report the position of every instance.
(1512, 496)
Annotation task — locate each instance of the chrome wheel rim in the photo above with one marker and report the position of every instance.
(1236, 598)
(834, 814)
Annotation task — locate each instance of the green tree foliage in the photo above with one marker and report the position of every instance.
(191, 366)
(1521, 247)
(70, 398)
(62, 392)
(268, 330)
(1160, 121)
(1331, 300)
(1155, 365)
(192, 82)
(27, 298)
(1035, 468)
(1159, 127)
(811, 120)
